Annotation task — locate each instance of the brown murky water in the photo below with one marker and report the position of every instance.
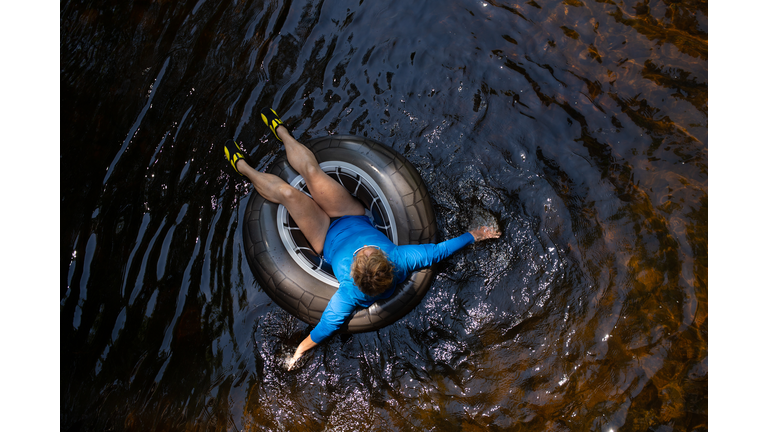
(580, 127)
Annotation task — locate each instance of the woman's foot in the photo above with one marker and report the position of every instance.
(234, 154)
(272, 120)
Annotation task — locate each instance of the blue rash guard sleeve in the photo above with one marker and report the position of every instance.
(339, 308)
(415, 257)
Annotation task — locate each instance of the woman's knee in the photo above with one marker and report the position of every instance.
(312, 172)
(289, 194)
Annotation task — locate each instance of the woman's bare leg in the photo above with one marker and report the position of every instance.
(331, 196)
(311, 219)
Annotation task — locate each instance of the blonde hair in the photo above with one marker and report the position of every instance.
(372, 273)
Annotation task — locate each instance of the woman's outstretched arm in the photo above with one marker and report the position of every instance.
(415, 257)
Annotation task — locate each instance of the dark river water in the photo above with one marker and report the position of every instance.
(578, 126)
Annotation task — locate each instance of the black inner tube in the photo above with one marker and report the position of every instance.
(396, 198)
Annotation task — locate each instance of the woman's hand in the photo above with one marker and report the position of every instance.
(305, 345)
(484, 233)
(293, 360)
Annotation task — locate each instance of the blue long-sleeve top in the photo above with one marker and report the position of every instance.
(345, 237)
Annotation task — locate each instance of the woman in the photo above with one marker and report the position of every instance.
(366, 263)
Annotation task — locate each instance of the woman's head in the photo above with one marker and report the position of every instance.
(372, 271)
